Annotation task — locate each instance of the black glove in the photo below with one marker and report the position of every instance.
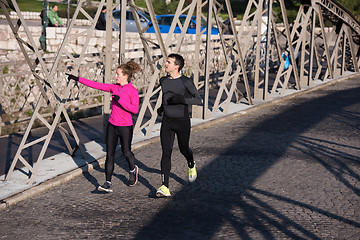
(72, 77)
(177, 99)
(160, 110)
(116, 97)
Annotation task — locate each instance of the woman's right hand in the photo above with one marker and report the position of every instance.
(72, 77)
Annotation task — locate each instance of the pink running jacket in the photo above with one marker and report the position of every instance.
(122, 109)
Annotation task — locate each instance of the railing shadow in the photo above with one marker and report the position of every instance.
(87, 130)
(334, 160)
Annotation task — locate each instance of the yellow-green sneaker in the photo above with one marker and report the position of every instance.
(192, 174)
(163, 191)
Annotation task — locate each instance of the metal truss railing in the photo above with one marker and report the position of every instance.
(19, 91)
(44, 79)
(262, 58)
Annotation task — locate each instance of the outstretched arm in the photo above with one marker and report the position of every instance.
(106, 87)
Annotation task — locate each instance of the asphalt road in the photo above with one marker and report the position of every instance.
(288, 171)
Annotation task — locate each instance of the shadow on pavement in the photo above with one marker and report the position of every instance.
(87, 130)
(225, 194)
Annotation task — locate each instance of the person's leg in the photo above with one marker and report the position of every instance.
(111, 143)
(183, 128)
(126, 134)
(183, 135)
(167, 136)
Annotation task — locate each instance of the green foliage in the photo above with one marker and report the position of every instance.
(62, 12)
(238, 9)
(37, 6)
(160, 6)
(353, 6)
(140, 3)
(291, 14)
(30, 6)
(29, 113)
(6, 69)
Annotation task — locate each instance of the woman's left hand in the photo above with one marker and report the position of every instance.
(116, 97)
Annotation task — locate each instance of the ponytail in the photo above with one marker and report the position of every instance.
(129, 69)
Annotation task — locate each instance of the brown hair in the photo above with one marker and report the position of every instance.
(129, 69)
(179, 60)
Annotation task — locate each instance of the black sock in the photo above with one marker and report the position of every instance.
(191, 164)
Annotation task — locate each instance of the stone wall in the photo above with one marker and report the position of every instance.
(10, 49)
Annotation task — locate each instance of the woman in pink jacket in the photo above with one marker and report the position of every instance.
(125, 101)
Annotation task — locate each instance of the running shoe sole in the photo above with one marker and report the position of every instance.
(105, 189)
(160, 193)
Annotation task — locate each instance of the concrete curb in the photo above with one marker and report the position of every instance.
(63, 178)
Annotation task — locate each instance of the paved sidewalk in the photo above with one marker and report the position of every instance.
(288, 168)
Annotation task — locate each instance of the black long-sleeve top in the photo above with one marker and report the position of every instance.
(101, 23)
(183, 86)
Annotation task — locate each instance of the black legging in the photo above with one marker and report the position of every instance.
(125, 133)
(170, 127)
